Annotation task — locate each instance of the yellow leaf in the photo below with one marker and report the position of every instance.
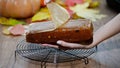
(6, 31)
(43, 14)
(89, 1)
(83, 11)
(10, 21)
(40, 16)
(4, 21)
(94, 4)
(44, 10)
(61, 2)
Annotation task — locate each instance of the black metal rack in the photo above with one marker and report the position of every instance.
(43, 54)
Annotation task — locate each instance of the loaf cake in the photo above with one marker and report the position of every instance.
(75, 31)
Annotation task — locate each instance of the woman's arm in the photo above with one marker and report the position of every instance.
(108, 30)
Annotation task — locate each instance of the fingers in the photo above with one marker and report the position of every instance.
(56, 46)
(69, 45)
(66, 45)
(50, 45)
(73, 45)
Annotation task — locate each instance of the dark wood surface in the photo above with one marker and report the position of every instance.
(107, 56)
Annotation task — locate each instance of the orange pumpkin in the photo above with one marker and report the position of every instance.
(19, 8)
(43, 4)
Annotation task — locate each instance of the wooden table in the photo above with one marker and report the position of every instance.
(107, 56)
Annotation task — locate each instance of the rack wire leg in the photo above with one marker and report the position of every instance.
(14, 60)
(86, 61)
(43, 63)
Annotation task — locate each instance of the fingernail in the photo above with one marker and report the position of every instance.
(59, 42)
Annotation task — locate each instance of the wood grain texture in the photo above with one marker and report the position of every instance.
(107, 56)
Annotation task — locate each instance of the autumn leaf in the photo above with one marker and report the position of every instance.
(94, 4)
(60, 2)
(83, 11)
(5, 30)
(4, 21)
(89, 1)
(15, 22)
(43, 14)
(10, 21)
(73, 2)
(17, 30)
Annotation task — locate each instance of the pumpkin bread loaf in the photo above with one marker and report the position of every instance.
(75, 31)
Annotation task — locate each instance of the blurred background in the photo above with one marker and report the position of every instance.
(16, 15)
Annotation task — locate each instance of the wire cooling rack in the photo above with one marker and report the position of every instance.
(43, 54)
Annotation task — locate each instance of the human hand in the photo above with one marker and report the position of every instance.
(67, 45)
(99, 36)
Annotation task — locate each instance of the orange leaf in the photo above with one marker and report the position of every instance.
(17, 30)
(73, 2)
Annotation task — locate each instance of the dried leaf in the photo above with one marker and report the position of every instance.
(6, 31)
(4, 21)
(73, 2)
(83, 11)
(61, 2)
(10, 21)
(15, 22)
(17, 30)
(43, 14)
(94, 4)
(89, 1)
